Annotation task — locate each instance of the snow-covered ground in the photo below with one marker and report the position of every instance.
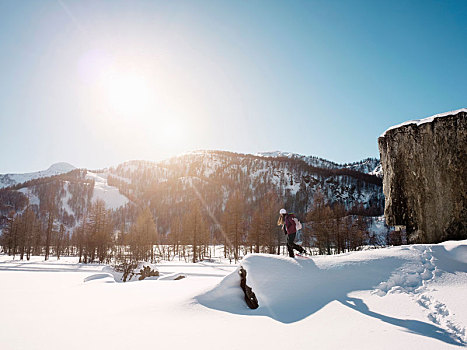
(409, 297)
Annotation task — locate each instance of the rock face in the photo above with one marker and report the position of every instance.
(425, 181)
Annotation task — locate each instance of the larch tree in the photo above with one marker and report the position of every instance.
(143, 237)
(195, 230)
(49, 232)
(234, 221)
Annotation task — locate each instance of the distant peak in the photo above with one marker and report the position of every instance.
(278, 154)
(61, 167)
(54, 169)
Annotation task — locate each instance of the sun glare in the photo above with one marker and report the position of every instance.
(128, 94)
(171, 132)
(146, 101)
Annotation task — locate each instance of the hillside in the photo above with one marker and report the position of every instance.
(289, 176)
(366, 166)
(170, 187)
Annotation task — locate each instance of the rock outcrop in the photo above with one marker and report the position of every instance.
(425, 181)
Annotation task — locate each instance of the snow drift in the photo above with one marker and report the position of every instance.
(290, 290)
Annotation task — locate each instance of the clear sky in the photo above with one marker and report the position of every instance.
(96, 83)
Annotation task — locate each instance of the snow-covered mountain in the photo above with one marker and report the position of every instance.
(311, 160)
(169, 187)
(68, 195)
(367, 166)
(54, 169)
(287, 174)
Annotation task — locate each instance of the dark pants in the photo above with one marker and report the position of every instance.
(291, 245)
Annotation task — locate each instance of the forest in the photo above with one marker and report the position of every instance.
(183, 207)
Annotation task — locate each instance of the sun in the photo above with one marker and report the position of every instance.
(128, 94)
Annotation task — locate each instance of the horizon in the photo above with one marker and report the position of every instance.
(96, 84)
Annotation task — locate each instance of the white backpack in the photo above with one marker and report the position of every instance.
(298, 224)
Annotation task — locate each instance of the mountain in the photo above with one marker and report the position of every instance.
(170, 187)
(311, 160)
(55, 169)
(367, 166)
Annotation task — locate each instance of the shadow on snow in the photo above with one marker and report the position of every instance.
(296, 289)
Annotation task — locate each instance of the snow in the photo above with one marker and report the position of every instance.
(425, 120)
(120, 178)
(60, 168)
(310, 160)
(398, 297)
(378, 171)
(277, 154)
(367, 166)
(54, 169)
(110, 195)
(33, 199)
(64, 200)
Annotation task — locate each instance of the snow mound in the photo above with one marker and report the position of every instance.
(456, 252)
(107, 277)
(289, 290)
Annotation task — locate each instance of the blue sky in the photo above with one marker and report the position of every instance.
(96, 83)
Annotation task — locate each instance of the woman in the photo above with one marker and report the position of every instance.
(290, 229)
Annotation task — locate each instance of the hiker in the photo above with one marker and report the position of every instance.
(289, 225)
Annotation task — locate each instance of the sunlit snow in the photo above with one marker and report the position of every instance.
(409, 297)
